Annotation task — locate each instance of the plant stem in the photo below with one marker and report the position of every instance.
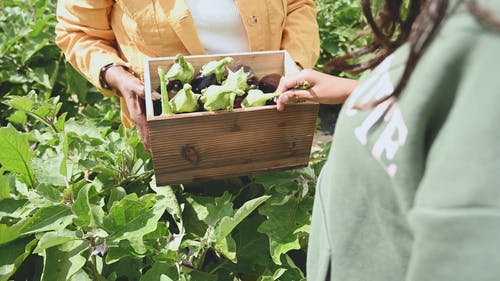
(202, 259)
(95, 274)
(55, 74)
(44, 121)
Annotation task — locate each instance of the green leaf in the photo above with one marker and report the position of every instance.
(282, 225)
(41, 76)
(60, 263)
(173, 207)
(161, 271)
(115, 195)
(198, 204)
(9, 233)
(41, 21)
(196, 275)
(49, 192)
(126, 269)
(123, 250)
(54, 238)
(76, 83)
(31, 48)
(227, 224)
(13, 255)
(227, 247)
(81, 275)
(47, 169)
(23, 103)
(223, 207)
(15, 153)
(59, 125)
(133, 217)
(18, 117)
(10, 207)
(224, 243)
(44, 110)
(293, 272)
(253, 247)
(84, 128)
(87, 214)
(275, 276)
(4, 188)
(48, 218)
(277, 179)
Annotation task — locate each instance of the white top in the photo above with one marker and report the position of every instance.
(219, 26)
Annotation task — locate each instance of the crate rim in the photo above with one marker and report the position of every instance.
(290, 67)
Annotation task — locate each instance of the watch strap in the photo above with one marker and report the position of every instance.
(105, 68)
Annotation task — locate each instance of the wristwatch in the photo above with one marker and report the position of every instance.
(105, 68)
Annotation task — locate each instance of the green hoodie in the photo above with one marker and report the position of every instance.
(411, 189)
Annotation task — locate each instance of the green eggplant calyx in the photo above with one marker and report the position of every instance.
(256, 97)
(166, 109)
(185, 100)
(237, 81)
(216, 67)
(181, 70)
(217, 97)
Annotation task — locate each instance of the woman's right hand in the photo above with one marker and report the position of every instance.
(323, 88)
(131, 89)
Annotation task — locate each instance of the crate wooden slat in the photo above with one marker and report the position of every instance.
(208, 145)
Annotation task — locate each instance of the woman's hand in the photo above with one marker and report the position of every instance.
(323, 88)
(132, 90)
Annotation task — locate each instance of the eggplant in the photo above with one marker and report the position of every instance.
(269, 83)
(200, 82)
(174, 86)
(157, 107)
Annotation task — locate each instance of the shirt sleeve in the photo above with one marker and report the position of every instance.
(301, 32)
(84, 34)
(456, 215)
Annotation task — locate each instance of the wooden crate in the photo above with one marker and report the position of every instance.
(196, 146)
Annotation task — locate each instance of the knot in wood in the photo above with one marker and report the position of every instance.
(235, 128)
(190, 153)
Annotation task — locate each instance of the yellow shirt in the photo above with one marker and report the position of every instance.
(94, 33)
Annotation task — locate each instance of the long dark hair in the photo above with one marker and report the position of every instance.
(394, 26)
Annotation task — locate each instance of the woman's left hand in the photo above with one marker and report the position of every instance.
(323, 88)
